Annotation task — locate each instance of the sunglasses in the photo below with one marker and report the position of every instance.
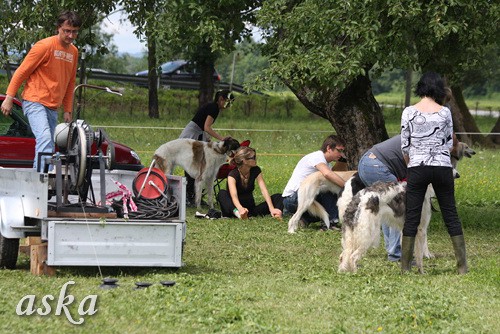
(341, 150)
(252, 158)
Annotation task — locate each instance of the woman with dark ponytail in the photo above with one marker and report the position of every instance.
(200, 128)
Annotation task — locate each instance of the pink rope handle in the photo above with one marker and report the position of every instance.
(126, 198)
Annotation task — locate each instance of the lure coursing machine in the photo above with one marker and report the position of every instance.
(140, 219)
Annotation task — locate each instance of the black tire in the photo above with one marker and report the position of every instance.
(9, 249)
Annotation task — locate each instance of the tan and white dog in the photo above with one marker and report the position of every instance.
(201, 160)
(310, 187)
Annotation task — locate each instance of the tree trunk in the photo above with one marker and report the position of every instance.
(206, 84)
(495, 139)
(7, 63)
(458, 123)
(152, 79)
(354, 114)
(463, 122)
(205, 61)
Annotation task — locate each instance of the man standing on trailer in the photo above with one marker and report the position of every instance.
(49, 71)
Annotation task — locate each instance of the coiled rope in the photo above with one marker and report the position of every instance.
(129, 206)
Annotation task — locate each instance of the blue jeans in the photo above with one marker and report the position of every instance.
(371, 170)
(328, 200)
(43, 122)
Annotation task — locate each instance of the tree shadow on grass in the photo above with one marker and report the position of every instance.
(23, 264)
(93, 271)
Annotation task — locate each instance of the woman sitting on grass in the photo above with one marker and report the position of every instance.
(238, 200)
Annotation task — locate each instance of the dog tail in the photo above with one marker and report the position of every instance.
(317, 210)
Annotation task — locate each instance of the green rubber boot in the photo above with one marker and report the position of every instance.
(407, 245)
(458, 242)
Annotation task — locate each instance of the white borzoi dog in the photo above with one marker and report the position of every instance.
(310, 187)
(362, 213)
(362, 217)
(201, 160)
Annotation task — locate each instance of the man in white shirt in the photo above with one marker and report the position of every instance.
(331, 150)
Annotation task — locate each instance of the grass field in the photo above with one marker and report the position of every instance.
(253, 277)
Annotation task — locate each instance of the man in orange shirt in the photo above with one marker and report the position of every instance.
(49, 71)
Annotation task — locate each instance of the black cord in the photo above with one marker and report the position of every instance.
(160, 208)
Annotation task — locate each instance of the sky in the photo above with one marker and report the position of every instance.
(123, 34)
(122, 30)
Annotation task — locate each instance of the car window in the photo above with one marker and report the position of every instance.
(16, 125)
(188, 68)
(170, 66)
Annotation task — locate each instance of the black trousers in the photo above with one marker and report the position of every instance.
(227, 206)
(443, 183)
(190, 192)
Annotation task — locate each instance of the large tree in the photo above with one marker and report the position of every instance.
(15, 36)
(203, 30)
(323, 50)
(467, 37)
(143, 14)
(195, 30)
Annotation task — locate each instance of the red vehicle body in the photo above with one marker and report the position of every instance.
(17, 144)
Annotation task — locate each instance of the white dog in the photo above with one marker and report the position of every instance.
(362, 213)
(201, 160)
(310, 187)
(382, 202)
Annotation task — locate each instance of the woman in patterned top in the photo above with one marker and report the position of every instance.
(238, 200)
(426, 142)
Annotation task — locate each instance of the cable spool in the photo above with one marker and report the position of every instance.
(142, 186)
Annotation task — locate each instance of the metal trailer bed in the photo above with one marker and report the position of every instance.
(85, 241)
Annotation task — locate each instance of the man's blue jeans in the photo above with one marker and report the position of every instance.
(328, 200)
(371, 170)
(43, 122)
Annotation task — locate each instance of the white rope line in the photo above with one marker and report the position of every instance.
(261, 130)
(90, 234)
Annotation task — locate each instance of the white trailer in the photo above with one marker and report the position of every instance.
(85, 238)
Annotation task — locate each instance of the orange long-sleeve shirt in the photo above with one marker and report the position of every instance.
(49, 70)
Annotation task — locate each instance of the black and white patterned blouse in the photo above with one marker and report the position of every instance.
(427, 137)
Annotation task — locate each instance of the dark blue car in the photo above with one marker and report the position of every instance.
(180, 70)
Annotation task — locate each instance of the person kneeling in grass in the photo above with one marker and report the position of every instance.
(238, 200)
